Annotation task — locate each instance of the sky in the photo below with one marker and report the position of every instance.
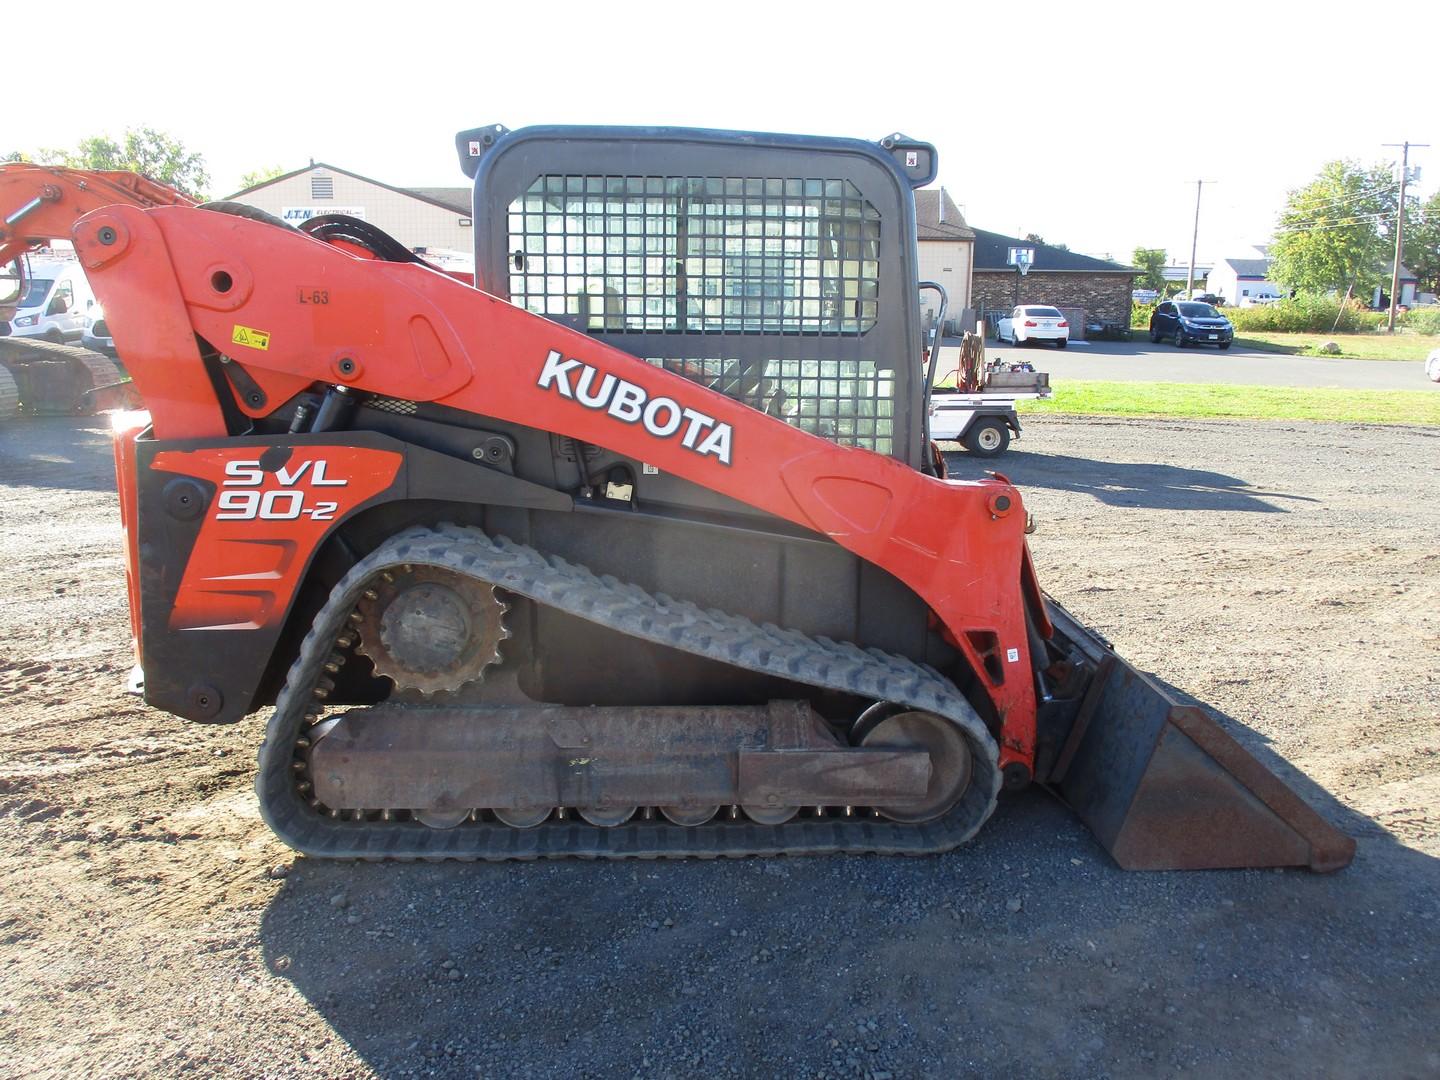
(1085, 123)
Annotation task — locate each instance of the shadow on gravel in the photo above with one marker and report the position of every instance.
(1027, 953)
(62, 452)
(1157, 487)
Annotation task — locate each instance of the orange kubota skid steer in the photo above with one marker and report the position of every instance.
(637, 548)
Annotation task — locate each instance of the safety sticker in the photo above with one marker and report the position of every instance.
(250, 337)
(1012, 656)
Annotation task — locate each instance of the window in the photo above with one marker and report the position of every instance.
(846, 401)
(322, 187)
(36, 289)
(652, 254)
(63, 300)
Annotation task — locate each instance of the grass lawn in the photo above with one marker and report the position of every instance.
(1223, 401)
(1371, 346)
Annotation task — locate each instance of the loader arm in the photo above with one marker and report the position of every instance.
(38, 204)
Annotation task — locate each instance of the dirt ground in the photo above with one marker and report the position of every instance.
(1288, 575)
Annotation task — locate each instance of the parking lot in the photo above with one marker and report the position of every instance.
(1140, 361)
(152, 926)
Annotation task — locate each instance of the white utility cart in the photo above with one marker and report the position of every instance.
(982, 418)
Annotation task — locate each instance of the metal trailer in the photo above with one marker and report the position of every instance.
(983, 422)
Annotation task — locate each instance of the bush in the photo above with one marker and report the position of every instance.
(1140, 314)
(1425, 320)
(1306, 313)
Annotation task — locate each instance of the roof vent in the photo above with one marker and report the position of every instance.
(322, 187)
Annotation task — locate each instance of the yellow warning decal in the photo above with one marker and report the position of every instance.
(250, 337)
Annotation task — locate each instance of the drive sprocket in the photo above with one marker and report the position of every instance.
(430, 629)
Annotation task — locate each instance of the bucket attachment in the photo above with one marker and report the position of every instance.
(1163, 786)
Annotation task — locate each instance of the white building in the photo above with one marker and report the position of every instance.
(1246, 280)
(947, 250)
(432, 218)
(1243, 281)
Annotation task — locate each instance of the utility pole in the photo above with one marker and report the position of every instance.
(1399, 229)
(1194, 240)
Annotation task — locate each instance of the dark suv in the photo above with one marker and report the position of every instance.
(1189, 322)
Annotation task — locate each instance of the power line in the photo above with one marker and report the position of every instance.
(1332, 206)
(1373, 219)
(1331, 223)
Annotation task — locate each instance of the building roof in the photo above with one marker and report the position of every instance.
(992, 252)
(456, 200)
(938, 218)
(1249, 267)
(1260, 268)
(1182, 273)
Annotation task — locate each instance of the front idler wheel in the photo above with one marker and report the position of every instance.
(952, 765)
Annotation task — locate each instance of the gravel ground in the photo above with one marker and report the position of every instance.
(1285, 574)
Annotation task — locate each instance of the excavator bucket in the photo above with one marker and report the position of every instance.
(1164, 787)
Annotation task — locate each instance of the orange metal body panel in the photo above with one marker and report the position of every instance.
(406, 331)
(125, 428)
(254, 546)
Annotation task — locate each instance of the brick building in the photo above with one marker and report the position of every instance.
(1060, 278)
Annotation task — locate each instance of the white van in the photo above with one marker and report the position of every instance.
(54, 302)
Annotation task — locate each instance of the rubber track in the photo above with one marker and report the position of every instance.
(103, 371)
(730, 639)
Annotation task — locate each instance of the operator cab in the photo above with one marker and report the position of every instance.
(779, 270)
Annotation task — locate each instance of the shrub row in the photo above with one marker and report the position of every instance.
(1307, 313)
(1424, 320)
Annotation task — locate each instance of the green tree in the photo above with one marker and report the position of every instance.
(1151, 264)
(143, 150)
(1040, 241)
(1333, 232)
(1422, 243)
(259, 176)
